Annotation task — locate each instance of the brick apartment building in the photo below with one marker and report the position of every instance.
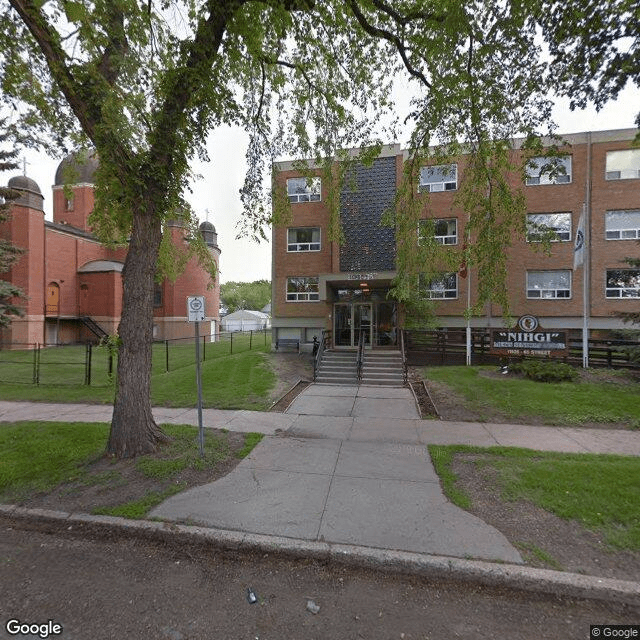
(72, 283)
(319, 284)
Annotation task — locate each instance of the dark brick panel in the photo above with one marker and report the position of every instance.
(367, 194)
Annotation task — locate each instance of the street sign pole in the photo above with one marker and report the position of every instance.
(199, 383)
(195, 313)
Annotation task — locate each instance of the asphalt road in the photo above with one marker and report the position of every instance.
(121, 588)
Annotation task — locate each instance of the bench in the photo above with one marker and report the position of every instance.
(288, 342)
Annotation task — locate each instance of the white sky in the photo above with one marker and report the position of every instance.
(218, 189)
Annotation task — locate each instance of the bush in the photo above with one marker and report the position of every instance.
(545, 370)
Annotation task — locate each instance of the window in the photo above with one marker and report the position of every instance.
(157, 294)
(554, 226)
(548, 284)
(622, 225)
(303, 189)
(302, 289)
(303, 239)
(543, 170)
(623, 283)
(441, 177)
(623, 165)
(444, 231)
(68, 204)
(444, 287)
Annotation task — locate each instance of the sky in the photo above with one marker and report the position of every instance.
(216, 197)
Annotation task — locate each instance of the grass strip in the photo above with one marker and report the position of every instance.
(601, 492)
(564, 403)
(138, 509)
(37, 456)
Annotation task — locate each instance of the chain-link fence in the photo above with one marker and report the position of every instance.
(86, 364)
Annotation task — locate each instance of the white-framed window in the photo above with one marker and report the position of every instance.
(443, 288)
(445, 230)
(543, 170)
(304, 189)
(622, 224)
(623, 283)
(623, 165)
(549, 284)
(554, 226)
(303, 239)
(441, 177)
(302, 289)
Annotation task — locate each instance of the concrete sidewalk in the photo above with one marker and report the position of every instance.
(346, 472)
(354, 469)
(349, 465)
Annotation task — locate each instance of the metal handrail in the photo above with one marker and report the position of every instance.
(404, 357)
(360, 354)
(318, 358)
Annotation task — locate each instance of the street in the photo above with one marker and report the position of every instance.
(123, 588)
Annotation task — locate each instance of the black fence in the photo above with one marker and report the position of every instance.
(87, 364)
(449, 347)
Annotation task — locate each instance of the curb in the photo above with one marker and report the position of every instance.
(545, 581)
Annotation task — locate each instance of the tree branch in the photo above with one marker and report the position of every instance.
(377, 32)
(408, 17)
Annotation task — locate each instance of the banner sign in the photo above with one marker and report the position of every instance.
(528, 338)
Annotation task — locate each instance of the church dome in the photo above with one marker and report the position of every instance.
(77, 168)
(22, 183)
(209, 234)
(30, 194)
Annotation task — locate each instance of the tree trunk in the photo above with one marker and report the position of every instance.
(133, 429)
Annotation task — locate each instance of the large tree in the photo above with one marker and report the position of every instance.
(245, 295)
(144, 83)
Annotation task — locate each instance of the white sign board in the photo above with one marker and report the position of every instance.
(195, 308)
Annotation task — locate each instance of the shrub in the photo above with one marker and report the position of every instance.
(545, 370)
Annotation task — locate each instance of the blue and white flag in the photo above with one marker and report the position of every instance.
(578, 247)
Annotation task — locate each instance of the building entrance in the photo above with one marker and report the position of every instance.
(350, 320)
(376, 319)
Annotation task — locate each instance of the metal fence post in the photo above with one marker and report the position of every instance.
(35, 363)
(204, 348)
(231, 337)
(250, 338)
(166, 356)
(38, 366)
(87, 371)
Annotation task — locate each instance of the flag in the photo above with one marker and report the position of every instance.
(578, 247)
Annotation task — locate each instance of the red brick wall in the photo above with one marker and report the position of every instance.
(81, 207)
(307, 263)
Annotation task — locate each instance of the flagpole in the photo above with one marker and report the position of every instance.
(585, 294)
(586, 267)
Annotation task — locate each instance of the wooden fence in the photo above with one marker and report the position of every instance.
(449, 347)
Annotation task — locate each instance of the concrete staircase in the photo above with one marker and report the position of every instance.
(338, 367)
(382, 368)
(378, 368)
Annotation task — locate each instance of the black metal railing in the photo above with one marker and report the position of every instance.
(324, 337)
(360, 359)
(403, 353)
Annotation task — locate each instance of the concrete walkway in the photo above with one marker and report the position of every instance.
(347, 465)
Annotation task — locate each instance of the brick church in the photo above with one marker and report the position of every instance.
(72, 284)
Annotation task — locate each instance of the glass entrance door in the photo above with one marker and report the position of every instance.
(350, 320)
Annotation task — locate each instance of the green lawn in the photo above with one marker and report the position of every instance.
(36, 457)
(601, 492)
(564, 403)
(239, 380)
